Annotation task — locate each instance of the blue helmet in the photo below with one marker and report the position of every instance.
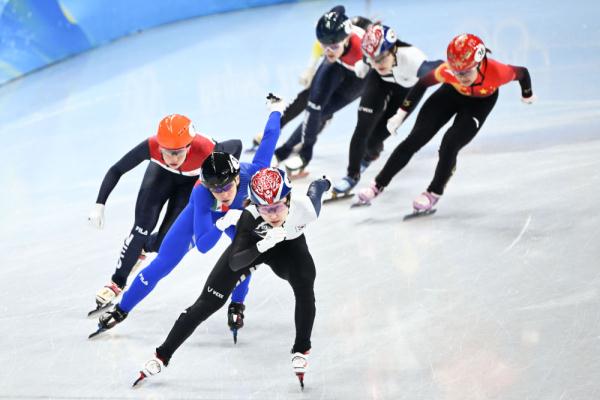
(377, 40)
(334, 26)
(268, 186)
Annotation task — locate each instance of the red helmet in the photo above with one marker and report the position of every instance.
(175, 131)
(465, 52)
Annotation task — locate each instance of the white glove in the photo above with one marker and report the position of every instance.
(96, 217)
(361, 69)
(394, 122)
(294, 163)
(529, 100)
(306, 76)
(274, 103)
(273, 236)
(231, 217)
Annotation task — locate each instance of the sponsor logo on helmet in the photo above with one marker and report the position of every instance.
(479, 52)
(390, 36)
(330, 20)
(234, 164)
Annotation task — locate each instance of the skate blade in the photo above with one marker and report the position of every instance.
(338, 196)
(234, 331)
(97, 332)
(300, 376)
(417, 214)
(139, 380)
(360, 204)
(94, 313)
(298, 175)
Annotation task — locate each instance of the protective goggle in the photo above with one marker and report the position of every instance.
(221, 189)
(465, 72)
(332, 46)
(274, 208)
(379, 59)
(174, 152)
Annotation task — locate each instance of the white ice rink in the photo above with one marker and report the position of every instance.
(494, 297)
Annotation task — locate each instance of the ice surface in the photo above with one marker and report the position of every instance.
(494, 297)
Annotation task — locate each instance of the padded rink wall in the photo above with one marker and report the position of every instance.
(37, 33)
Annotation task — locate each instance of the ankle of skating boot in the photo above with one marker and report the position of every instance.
(108, 293)
(235, 315)
(111, 318)
(369, 193)
(346, 184)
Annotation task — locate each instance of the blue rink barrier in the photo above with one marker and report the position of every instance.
(34, 33)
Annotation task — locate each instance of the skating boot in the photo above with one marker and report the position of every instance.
(294, 166)
(367, 194)
(425, 201)
(300, 365)
(423, 205)
(235, 318)
(343, 189)
(152, 367)
(108, 320)
(346, 184)
(105, 297)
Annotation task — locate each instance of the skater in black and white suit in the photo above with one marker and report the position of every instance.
(270, 231)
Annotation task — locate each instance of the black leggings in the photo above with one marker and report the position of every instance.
(443, 104)
(380, 101)
(332, 88)
(290, 260)
(158, 187)
(295, 107)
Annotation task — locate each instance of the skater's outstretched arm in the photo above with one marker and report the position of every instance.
(132, 159)
(417, 91)
(522, 75)
(265, 151)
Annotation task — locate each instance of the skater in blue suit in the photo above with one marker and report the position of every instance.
(214, 208)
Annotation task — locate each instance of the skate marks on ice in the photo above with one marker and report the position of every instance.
(519, 236)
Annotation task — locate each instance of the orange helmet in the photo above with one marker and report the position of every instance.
(465, 52)
(175, 131)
